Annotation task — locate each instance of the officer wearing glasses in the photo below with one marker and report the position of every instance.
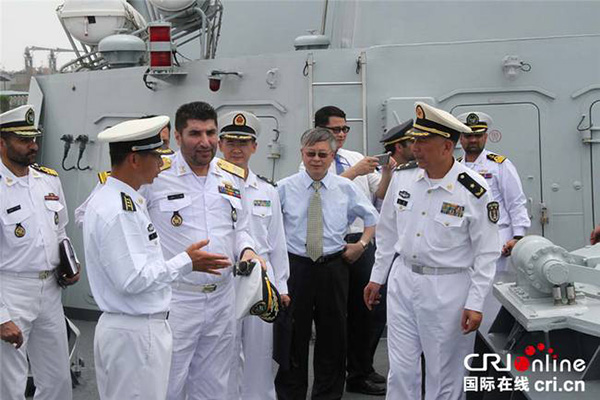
(318, 208)
(364, 328)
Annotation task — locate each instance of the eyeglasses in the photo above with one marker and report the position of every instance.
(338, 129)
(312, 154)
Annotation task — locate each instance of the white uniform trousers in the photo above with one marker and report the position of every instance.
(423, 315)
(35, 307)
(132, 355)
(505, 234)
(203, 340)
(252, 374)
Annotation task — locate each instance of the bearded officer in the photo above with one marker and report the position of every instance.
(252, 372)
(502, 178)
(438, 241)
(34, 216)
(128, 275)
(201, 197)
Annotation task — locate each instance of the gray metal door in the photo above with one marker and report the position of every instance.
(516, 135)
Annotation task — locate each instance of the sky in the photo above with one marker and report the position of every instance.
(30, 23)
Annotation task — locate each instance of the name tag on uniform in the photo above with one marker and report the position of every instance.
(13, 209)
(262, 203)
(175, 196)
(453, 209)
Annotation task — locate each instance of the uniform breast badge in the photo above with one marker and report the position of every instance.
(262, 203)
(20, 231)
(176, 219)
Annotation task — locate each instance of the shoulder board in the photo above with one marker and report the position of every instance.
(103, 176)
(266, 180)
(496, 158)
(471, 185)
(459, 159)
(231, 168)
(165, 152)
(128, 204)
(166, 163)
(45, 170)
(409, 165)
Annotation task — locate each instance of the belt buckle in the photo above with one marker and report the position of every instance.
(209, 288)
(44, 274)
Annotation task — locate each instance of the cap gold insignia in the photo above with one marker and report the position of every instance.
(19, 231)
(30, 116)
(420, 112)
(239, 120)
(176, 219)
(472, 119)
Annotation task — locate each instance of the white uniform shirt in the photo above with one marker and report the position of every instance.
(367, 184)
(266, 226)
(505, 184)
(342, 202)
(207, 206)
(438, 225)
(124, 260)
(33, 216)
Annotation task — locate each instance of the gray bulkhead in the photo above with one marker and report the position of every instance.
(448, 57)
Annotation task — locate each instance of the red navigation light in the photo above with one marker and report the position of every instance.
(160, 59)
(160, 33)
(214, 83)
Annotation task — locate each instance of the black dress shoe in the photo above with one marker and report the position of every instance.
(376, 378)
(366, 387)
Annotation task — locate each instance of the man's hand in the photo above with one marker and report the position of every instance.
(249, 254)
(203, 261)
(389, 167)
(470, 320)
(10, 332)
(285, 300)
(365, 166)
(352, 252)
(64, 281)
(371, 294)
(595, 236)
(508, 246)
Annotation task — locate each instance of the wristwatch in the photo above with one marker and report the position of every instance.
(363, 244)
(518, 237)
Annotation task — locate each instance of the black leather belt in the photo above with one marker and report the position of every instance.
(320, 260)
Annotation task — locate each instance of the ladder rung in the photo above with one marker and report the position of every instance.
(337, 83)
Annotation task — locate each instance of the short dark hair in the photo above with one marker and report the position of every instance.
(322, 115)
(195, 110)
(154, 115)
(390, 148)
(117, 156)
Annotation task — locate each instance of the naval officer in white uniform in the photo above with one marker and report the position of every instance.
(33, 217)
(129, 277)
(502, 178)
(437, 239)
(201, 197)
(252, 375)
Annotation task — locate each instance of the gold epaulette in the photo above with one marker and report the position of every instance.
(496, 158)
(232, 168)
(45, 170)
(166, 163)
(409, 165)
(103, 176)
(471, 185)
